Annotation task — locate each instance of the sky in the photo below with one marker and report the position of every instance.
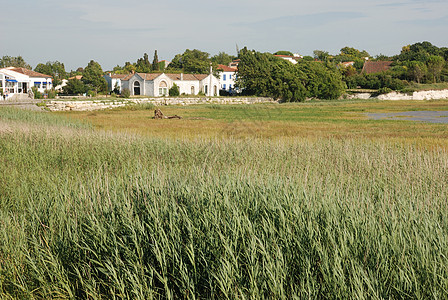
(112, 32)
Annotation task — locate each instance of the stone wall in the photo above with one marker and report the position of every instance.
(87, 105)
(421, 95)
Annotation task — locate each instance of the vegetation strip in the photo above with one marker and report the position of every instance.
(91, 214)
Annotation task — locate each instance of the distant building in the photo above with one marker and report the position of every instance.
(17, 82)
(227, 76)
(347, 63)
(159, 84)
(292, 59)
(371, 67)
(114, 81)
(234, 63)
(163, 64)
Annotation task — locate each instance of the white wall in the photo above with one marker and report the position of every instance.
(227, 79)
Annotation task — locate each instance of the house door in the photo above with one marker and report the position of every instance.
(25, 87)
(136, 88)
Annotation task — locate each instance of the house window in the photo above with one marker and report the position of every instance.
(223, 86)
(37, 85)
(44, 85)
(230, 86)
(224, 77)
(163, 89)
(206, 89)
(230, 76)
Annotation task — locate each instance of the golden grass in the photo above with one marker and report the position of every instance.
(285, 121)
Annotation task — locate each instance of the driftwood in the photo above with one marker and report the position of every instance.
(158, 114)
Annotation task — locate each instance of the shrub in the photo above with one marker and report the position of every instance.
(92, 93)
(51, 94)
(174, 90)
(384, 90)
(37, 94)
(125, 93)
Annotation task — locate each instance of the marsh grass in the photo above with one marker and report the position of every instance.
(94, 215)
(284, 122)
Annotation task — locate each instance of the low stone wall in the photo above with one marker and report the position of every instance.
(87, 105)
(421, 95)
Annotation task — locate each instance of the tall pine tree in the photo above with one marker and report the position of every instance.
(155, 62)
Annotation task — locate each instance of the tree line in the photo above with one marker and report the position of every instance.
(322, 75)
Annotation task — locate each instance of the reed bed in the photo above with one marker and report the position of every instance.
(94, 215)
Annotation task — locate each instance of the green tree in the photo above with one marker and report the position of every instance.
(129, 68)
(192, 61)
(74, 87)
(419, 52)
(155, 62)
(222, 58)
(435, 66)
(320, 81)
(11, 61)
(54, 69)
(417, 70)
(92, 77)
(355, 53)
(321, 55)
(263, 74)
(143, 65)
(283, 52)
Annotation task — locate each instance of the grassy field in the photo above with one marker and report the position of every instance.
(341, 119)
(340, 207)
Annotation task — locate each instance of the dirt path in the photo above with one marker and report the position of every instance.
(30, 105)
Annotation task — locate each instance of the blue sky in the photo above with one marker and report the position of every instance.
(113, 32)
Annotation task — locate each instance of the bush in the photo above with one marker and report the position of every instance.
(125, 93)
(384, 90)
(51, 94)
(91, 93)
(174, 90)
(37, 94)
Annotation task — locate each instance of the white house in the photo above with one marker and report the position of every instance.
(227, 76)
(292, 59)
(17, 82)
(114, 81)
(158, 84)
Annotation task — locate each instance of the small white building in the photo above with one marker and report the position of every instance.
(159, 84)
(292, 59)
(17, 82)
(114, 81)
(227, 77)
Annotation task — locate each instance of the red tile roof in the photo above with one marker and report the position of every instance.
(152, 76)
(118, 76)
(187, 77)
(227, 68)
(29, 72)
(376, 66)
